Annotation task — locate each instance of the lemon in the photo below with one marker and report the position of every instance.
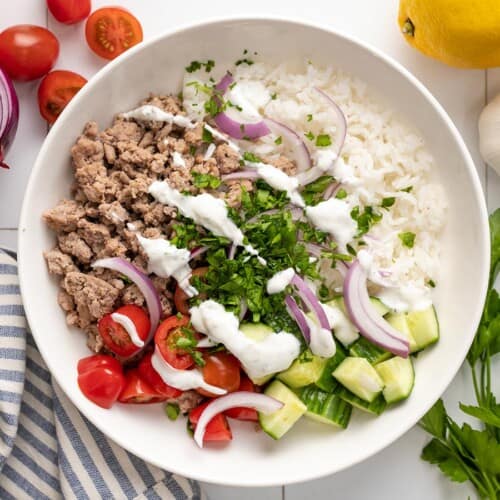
(462, 33)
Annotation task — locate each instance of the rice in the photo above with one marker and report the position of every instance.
(382, 157)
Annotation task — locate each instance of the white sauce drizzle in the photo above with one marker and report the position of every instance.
(322, 343)
(167, 260)
(247, 111)
(204, 209)
(343, 329)
(280, 281)
(129, 326)
(184, 380)
(178, 160)
(154, 113)
(218, 135)
(209, 152)
(271, 355)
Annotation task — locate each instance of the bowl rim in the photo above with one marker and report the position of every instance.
(442, 383)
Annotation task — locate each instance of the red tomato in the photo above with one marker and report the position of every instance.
(28, 52)
(151, 376)
(222, 370)
(217, 429)
(180, 297)
(166, 338)
(116, 338)
(69, 11)
(102, 385)
(138, 391)
(244, 413)
(110, 31)
(98, 361)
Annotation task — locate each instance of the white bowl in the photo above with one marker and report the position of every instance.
(309, 450)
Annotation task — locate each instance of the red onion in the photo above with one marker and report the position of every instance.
(9, 115)
(232, 251)
(314, 250)
(243, 309)
(144, 284)
(241, 174)
(246, 399)
(299, 151)
(295, 312)
(233, 128)
(331, 190)
(196, 252)
(368, 321)
(311, 301)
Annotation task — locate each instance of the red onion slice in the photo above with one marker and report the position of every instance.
(196, 252)
(295, 312)
(241, 174)
(311, 301)
(144, 284)
(331, 190)
(9, 115)
(299, 151)
(340, 120)
(361, 312)
(233, 128)
(232, 251)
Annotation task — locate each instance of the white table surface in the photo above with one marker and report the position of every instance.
(397, 472)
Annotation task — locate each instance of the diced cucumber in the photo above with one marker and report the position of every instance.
(376, 407)
(359, 376)
(399, 321)
(379, 306)
(325, 407)
(305, 370)
(424, 327)
(363, 348)
(398, 376)
(257, 332)
(280, 422)
(326, 380)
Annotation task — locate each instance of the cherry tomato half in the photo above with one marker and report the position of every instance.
(222, 370)
(181, 299)
(102, 385)
(56, 90)
(28, 52)
(98, 361)
(69, 11)
(167, 336)
(151, 376)
(138, 391)
(110, 31)
(249, 414)
(217, 429)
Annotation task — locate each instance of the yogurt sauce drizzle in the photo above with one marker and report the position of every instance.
(154, 113)
(322, 343)
(178, 160)
(273, 354)
(344, 330)
(130, 328)
(204, 209)
(280, 281)
(167, 260)
(182, 379)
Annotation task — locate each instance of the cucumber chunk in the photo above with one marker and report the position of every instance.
(424, 327)
(376, 407)
(305, 370)
(363, 348)
(326, 382)
(398, 376)
(325, 408)
(399, 321)
(257, 332)
(280, 422)
(359, 376)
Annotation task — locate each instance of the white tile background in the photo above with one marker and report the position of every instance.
(397, 471)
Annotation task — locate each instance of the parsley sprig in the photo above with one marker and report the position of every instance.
(461, 452)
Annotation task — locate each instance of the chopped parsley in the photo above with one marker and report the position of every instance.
(232, 85)
(278, 140)
(186, 343)
(341, 194)
(212, 106)
(200, 87)
(247, 156)
(196, 65)
(431, 283)
(388, 202)
(274, 96)
(310, 135)
(313, 192)
(245, 60)
(365, 218)
(407, 189)
(309, 117)
(172, 410)
(203, 181)
(323, 140)
(206, 135)
(408, 239)
(192, 150)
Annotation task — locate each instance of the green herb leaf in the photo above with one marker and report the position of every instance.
(486, 415)
(388, 202)
(309, 118)
(310, 135)
(274, 96)
(323, 140)
(407, 189)
(435, 452)
(244, 61)
(203, 181)
(206, 135)
(341, 194)
(278, 140)
(408, 239)
(196, 65)
(434, 421)
(247, 156)
(172, 410)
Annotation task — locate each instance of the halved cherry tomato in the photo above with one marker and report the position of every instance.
(28, 52)
(98, 361)
(56, 90)
(181, 298)
(102, 385)
(69, 11)
(116, 338)
(217, 429)
(138, 391)
(244, 413)
(110, 31)
(151, 376)
(222, 370)
(166, 337)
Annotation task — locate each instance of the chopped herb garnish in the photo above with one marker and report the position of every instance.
(245, 52)
(203, 181)
(278, 140)
(212, 106)
(407, 189)
(341, 194)
(192, 150)
(247, 156)
(232, 85)
(196, 65)
(172, 410)
(305, 357)
(388, 202)
(309, 118)
(274, 96)
(351, 250)
(365, 219)
(126, 279)
(244, 61)
(408, 239)
(310, 135)
(313, 192)
(206, 135)
(323, 140)
(209, 65)
(200, 87)
(431, 283)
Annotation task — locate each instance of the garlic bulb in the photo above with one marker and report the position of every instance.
(489, 134)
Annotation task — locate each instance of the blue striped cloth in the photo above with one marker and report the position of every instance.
(48, 450)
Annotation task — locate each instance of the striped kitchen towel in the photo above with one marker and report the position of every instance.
(48, 450)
